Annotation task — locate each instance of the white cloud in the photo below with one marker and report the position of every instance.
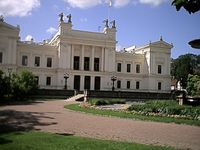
(51, 30)
(28, 38)
(18, 7)
(83, 3)
(152, 2)
(83, 20)
(120, 3)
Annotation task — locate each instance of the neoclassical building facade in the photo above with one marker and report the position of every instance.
(81, 60)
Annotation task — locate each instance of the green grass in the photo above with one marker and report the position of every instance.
(48, 141)
(131, 115)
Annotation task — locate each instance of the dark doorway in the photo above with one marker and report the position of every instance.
(87, 83)
(77, 82)
(97, 83)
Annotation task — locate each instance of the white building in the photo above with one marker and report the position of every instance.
(89, 58)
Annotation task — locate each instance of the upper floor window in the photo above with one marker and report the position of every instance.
(159, 69)
(48, 81)
(128, 84)
(49, 62)
(118, 84)
(119, 65)
(128, 67)
(86, 63)
(159, 85)
(96, 64)
(1, 57)
(37, 61)
(76, 62)
(137, 85)
(24, 60)
(137, 68)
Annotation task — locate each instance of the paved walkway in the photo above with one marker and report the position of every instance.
(52, 117)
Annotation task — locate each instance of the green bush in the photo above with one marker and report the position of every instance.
(98, 102)
(23, 84)
(166, 108)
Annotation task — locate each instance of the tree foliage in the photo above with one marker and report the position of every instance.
(191, 6)
(185, 65)
(17, 85)
(193, 85)
(23, 84)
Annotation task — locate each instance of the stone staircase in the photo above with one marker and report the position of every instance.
(74, 98)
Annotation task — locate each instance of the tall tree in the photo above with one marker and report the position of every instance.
(183, 66)
(191, 6)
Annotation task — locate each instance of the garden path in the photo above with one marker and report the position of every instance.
(51, 116)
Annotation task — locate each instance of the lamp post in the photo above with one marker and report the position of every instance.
(66, 76)
(113, 79)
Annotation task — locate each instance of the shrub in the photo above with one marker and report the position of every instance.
(98, 102)
(166, 108)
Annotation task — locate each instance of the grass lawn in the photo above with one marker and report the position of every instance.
(121, 114)
(47, 141)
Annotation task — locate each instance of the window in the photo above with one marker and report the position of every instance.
(128, 84)
(76, 62)
(119, 65)
(48, 81)
(137, 68)
(96, 64)
(37, 61)
(24, 60)
(118, 84)
(159, 85)
(37, 80)
(86, 63)
(128, 67)
(159, 69)
(49, 62)
(137, 85)
(1, 57)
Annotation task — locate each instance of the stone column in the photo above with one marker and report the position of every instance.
(92, 83)
(82, 57)
(72, 56)
(92, 59)
(82, 83)
(102, 59)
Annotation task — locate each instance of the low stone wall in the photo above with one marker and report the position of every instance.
(104, 94)
(51, 93)
(129, 95)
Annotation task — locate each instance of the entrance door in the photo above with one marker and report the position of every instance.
(87, 83)
(97, 83)
(77, 82)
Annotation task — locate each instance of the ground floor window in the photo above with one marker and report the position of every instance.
(118, 84)
(159, 85)
(97, 83)
(37, 80)
(137, 84)
(128, 84)
(1, 57)
(48, 81)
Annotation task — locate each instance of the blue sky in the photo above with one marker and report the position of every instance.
(137, 21)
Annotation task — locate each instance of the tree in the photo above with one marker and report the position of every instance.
(193, 85)
(183, 66)
(23, 84)
(4, 84)
(191, 6)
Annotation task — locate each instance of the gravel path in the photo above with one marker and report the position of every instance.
(51, 116)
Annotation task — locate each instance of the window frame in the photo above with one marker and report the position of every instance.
(119, 67)
(24, 60)
(137, 85)
(138, 68)
(159, 69)
(76, 63)
(86, 63)
(119, 84)
(128, 68)
(48, 81)
(159, 86)
(35, 62)
(128, 84)
(96, 64)
(1, 57)
(49, 64)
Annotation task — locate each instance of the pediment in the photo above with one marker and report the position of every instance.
(161, 44)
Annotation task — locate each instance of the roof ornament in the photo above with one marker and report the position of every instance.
(161, 39)
(61, 15)
(1, 18)
(106, 23)
(113, 24)
(69, 18)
